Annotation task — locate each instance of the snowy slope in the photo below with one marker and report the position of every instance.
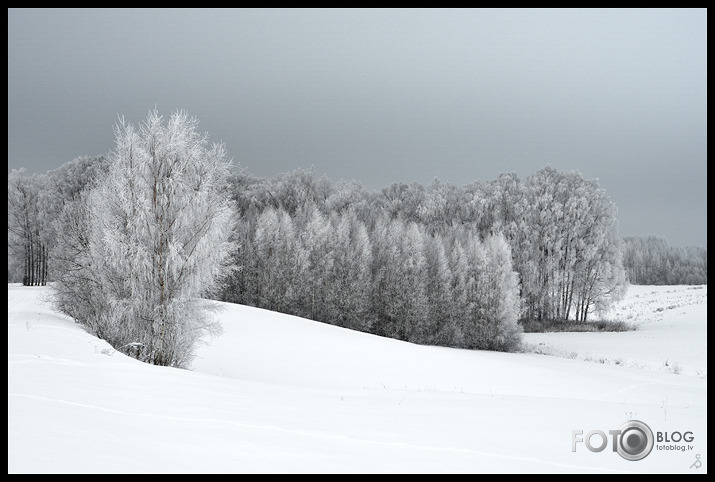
(280, 394)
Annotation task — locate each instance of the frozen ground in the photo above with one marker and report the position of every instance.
(280, 394)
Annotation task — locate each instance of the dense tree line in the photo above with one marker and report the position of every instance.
(650, 260)
(337, 253)
(435, 264)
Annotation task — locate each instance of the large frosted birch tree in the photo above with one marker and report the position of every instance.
(155, 239)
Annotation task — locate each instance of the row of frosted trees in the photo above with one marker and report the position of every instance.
(549, 242)
(391, 277)
(27, 206)
(559, 228)
(437, 264)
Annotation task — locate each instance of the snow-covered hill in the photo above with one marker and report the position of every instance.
(277, 394)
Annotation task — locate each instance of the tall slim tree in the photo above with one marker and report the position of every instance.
(350, 277)
(156, 240)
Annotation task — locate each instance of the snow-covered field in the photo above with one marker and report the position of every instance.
(277, 394)
(670, 337)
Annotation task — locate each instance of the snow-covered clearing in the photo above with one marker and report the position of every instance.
(280, 394)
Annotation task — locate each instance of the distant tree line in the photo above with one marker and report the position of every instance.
(25, 238)
(650, 260)
(437, 264)
(34, 202)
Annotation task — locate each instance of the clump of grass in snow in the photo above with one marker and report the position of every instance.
(552, 326)
(673, 367)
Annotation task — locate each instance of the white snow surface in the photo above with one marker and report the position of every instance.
(280, 394)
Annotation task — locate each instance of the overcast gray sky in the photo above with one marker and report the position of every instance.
(383, 96)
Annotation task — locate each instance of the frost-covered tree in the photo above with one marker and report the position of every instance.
(70, 179)
(314, 259)
(569, 234)
(475, 325)
(453, 332)
(77, 291)
(277, 262)
(350, 277)
(400, 280)
(486, 293)
(149, 241)
(348, 196)
(443, 207)
(500, 299)
(439, 295)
